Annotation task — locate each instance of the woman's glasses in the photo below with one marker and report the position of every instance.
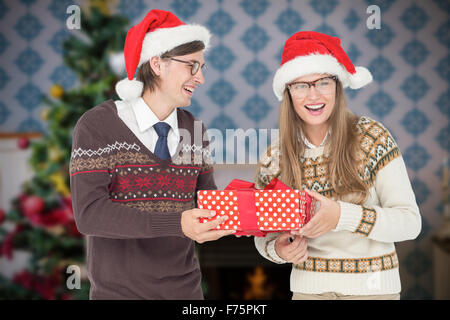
(301, 89)
(195, 65)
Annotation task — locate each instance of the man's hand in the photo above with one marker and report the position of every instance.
(202, 232)
(324, 220)
(295, 251)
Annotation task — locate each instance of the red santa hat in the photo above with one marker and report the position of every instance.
(159, 32)
(308, 52)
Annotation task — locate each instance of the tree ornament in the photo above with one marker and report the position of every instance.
(60, 184)
(54, 154)
(54, 218)
(103, 6)
(44, 113)
(23, 143)
(56, 91)
(2, 216)
(32, 205)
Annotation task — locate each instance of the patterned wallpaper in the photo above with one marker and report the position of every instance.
(409, 58)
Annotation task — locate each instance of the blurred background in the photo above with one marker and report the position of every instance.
(54, 67)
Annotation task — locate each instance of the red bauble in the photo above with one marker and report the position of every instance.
(67, 203)
(2, 216)
(23, 143)
(72, 229)
(32, 207)
(56, 216)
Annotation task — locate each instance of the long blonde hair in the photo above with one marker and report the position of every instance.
(344, 148)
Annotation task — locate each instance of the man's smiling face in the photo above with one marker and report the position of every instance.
(177, 82)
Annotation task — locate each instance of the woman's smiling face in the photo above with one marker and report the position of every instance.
(314, 108)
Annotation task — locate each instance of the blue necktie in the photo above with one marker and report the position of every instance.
(161, 149)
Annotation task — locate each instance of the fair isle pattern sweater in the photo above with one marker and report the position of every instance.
(128, 203)
(358, 257)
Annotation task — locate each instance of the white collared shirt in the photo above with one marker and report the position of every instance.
(309, 145)
(139, 118)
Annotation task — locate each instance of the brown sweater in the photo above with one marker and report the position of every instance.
(128, 204)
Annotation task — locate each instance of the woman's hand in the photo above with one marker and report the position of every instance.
(295, 251)
(324, 220)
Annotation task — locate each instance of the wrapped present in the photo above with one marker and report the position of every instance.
(257, 212)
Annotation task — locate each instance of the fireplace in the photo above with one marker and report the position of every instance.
(233, 269)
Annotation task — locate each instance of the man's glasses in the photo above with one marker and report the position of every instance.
(195, 65)
(301, 89)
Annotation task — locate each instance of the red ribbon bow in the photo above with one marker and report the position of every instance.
(247, 206)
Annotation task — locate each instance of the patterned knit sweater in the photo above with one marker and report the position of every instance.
(128, 203)
(358, 257)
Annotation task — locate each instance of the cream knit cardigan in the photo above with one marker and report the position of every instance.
(358, 257)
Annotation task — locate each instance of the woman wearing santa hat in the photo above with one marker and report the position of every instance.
(350, 164)
(131, 197)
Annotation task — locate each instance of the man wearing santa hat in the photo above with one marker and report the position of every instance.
(132, 197)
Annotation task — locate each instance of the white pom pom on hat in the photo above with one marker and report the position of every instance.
(129, 89)
(308, 52)
(159, 32)
(360, 78)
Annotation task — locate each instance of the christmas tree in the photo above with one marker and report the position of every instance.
(41, 219)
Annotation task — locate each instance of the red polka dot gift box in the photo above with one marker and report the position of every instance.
(257, 212)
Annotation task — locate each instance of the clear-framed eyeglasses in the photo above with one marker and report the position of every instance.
(301, 89)
(195, 65)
